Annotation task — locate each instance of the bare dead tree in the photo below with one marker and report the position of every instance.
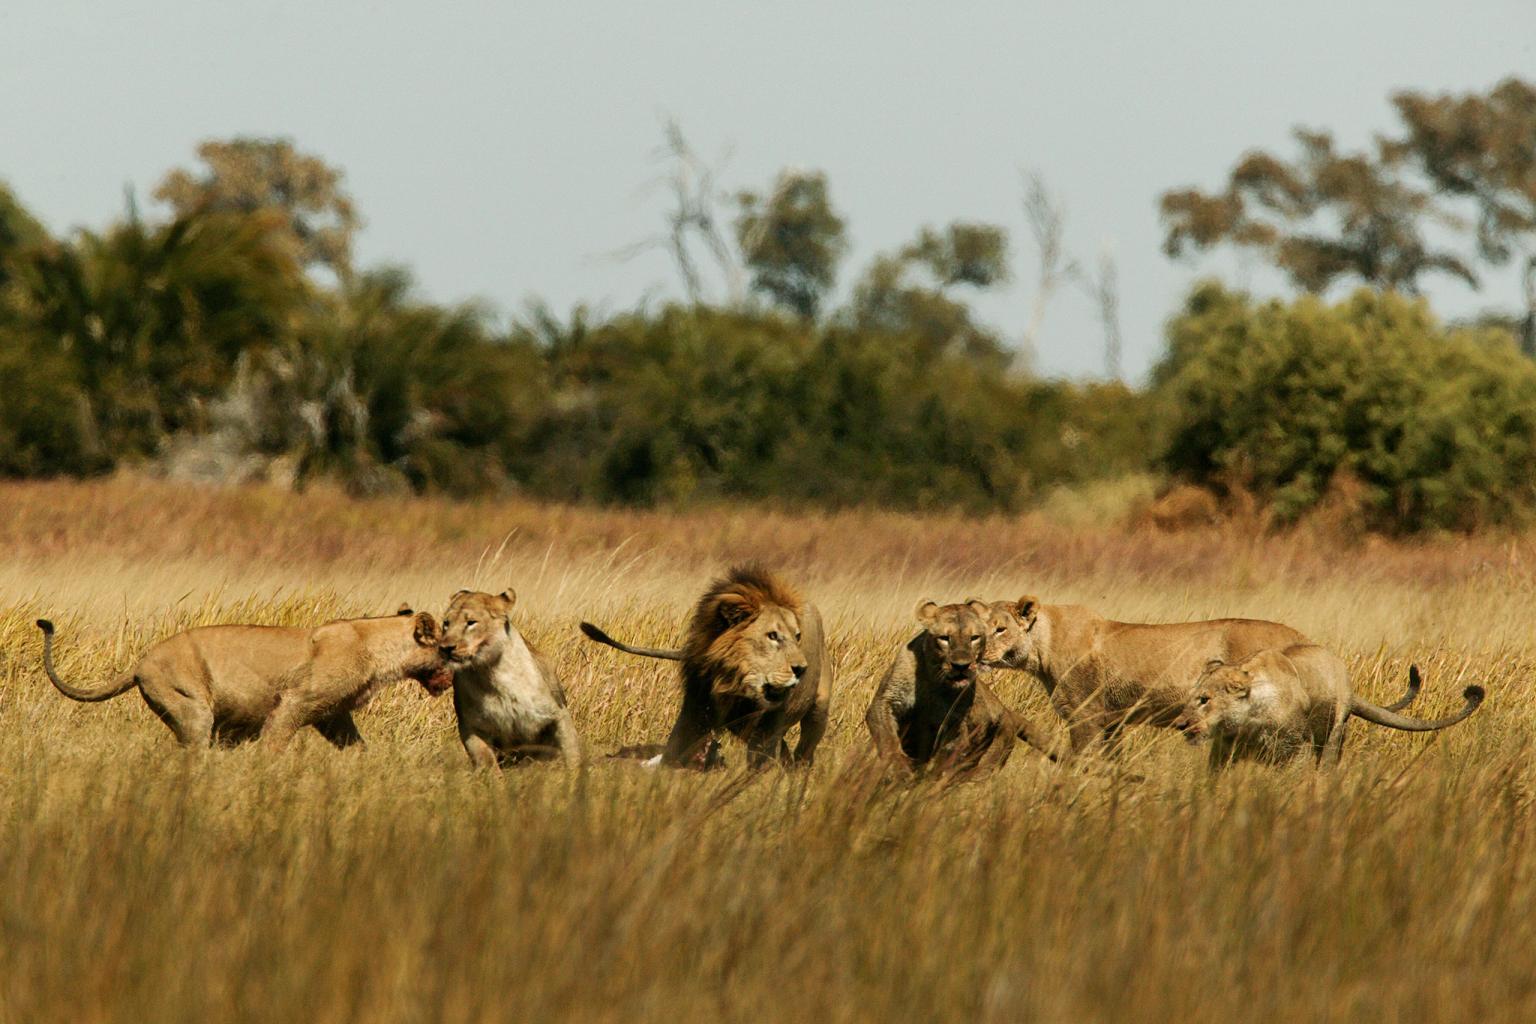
(693, 213)
(1528, 324)
(691, 219)
(1103, 287)
(1047, 224)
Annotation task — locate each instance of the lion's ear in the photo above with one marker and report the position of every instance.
(426, 630)
(1213, 665)
(509, 596)
(980, 607)
(460, 593)
(926, 612)
(405, 609)
(733, 609)
(1027, 608)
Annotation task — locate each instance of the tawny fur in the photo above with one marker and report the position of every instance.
(754, 664)
(932, 710)
(1275, 704)
(1101, 675)
(230, 683)
(507, 697)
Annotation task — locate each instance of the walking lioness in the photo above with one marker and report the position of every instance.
(232, 682)
(933, 711)
(1271, 706)
(508, 700)
(1102, 675)
(754, 663)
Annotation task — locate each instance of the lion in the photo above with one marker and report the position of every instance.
(232, 683)
(1102, 675)
(506, 695)
(1272, 705)
(754, 663)
(933, 711)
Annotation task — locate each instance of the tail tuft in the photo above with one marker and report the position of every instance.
(593, 633)
(45, 626)
(1473, 695)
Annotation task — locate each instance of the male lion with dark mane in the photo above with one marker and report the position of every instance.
(754, 663)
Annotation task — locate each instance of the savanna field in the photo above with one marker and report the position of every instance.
(140, 882)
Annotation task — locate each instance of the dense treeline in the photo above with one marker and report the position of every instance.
(229, 335)
(206, 343)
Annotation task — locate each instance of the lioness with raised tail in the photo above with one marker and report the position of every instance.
(933, 711)
(1101, 675)
(1271, 706)
(230, 683)
(753, 663)
(507, 697)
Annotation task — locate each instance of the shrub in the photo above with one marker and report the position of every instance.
(1436, 427)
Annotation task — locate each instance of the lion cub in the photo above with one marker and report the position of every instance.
(233, 682)
(1273, 705)
(932, 710)
(507, 697)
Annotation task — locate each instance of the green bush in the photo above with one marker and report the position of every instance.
(698, 403)
(1436, 426)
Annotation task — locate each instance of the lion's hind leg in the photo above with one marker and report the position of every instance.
(188, 717)
(1330, 745)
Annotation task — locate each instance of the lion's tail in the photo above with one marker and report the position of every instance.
(1473, 695)
(1415, 681)
(123, 682)
(593, 633)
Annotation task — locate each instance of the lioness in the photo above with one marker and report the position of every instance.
(508, 700)
(931, 710)
(1102, 675)
(754, 663)
(1270, 706)
(232, 682)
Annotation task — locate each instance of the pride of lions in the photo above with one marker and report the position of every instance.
(754, 665)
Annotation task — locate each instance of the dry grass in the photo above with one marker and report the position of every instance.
(138, 882)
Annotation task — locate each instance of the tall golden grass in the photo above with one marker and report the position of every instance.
(141, 882)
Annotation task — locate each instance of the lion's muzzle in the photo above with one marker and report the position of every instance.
(777, 693)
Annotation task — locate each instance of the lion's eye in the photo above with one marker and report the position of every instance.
(1001, 629)
(773, 635)
(469, 622)
(944, 640)
(797, 638)
(1203, 700)
(976, 639)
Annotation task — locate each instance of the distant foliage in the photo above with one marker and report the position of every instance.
(1425, 427)
(792, 240)
(695, 403)
(254, 175)
(199, 346)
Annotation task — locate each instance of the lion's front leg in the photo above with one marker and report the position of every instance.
(766, 746)
(812, 728)
(689, 743)
(999, 746)
(481, 754)
(292, 713)
(567, 739)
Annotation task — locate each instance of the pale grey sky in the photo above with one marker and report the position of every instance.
(501, 150)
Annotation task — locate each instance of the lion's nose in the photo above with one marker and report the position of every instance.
(799, 671)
